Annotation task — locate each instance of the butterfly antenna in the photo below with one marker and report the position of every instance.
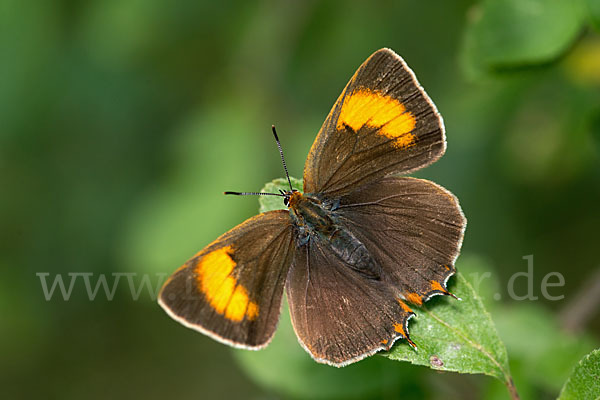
(282, 159)
(254, 194)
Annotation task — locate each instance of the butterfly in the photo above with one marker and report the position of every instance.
(355, 250)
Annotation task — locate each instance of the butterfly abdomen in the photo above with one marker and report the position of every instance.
(314, 221)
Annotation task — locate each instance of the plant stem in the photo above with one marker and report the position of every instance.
(512, 389)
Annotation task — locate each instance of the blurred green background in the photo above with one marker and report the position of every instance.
(123, 121)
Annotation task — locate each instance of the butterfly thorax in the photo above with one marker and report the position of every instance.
(316, 221)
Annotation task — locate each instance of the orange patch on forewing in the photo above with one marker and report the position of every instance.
(384, 341)
(435, 285)
(252, 310)
(222, 290)
(414, 298)
(365, 107)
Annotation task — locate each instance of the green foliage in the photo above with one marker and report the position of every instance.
(534, 338)
(123, 121)
(584, 382)
(515, 33)
(594, 12)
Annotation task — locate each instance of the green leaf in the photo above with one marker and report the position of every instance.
(584, 382)
(516, 33)
(455, 335)
(269, 203)
(594, 12)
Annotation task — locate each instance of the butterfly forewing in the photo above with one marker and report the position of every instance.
(382, 123)
(232, 289)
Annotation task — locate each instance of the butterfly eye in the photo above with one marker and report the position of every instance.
(286, 201)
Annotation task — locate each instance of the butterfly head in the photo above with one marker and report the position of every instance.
(290, 197)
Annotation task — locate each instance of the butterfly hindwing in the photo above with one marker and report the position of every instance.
(412, 227)
(341, 316)
(232, 289)
(382, 123)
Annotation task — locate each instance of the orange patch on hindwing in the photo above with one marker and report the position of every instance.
(388, 115)
(435, 285)
(414, 298)
(222, 291)
(398, 327)
(405, 308)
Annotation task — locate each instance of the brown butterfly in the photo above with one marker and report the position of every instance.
(353, 251)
